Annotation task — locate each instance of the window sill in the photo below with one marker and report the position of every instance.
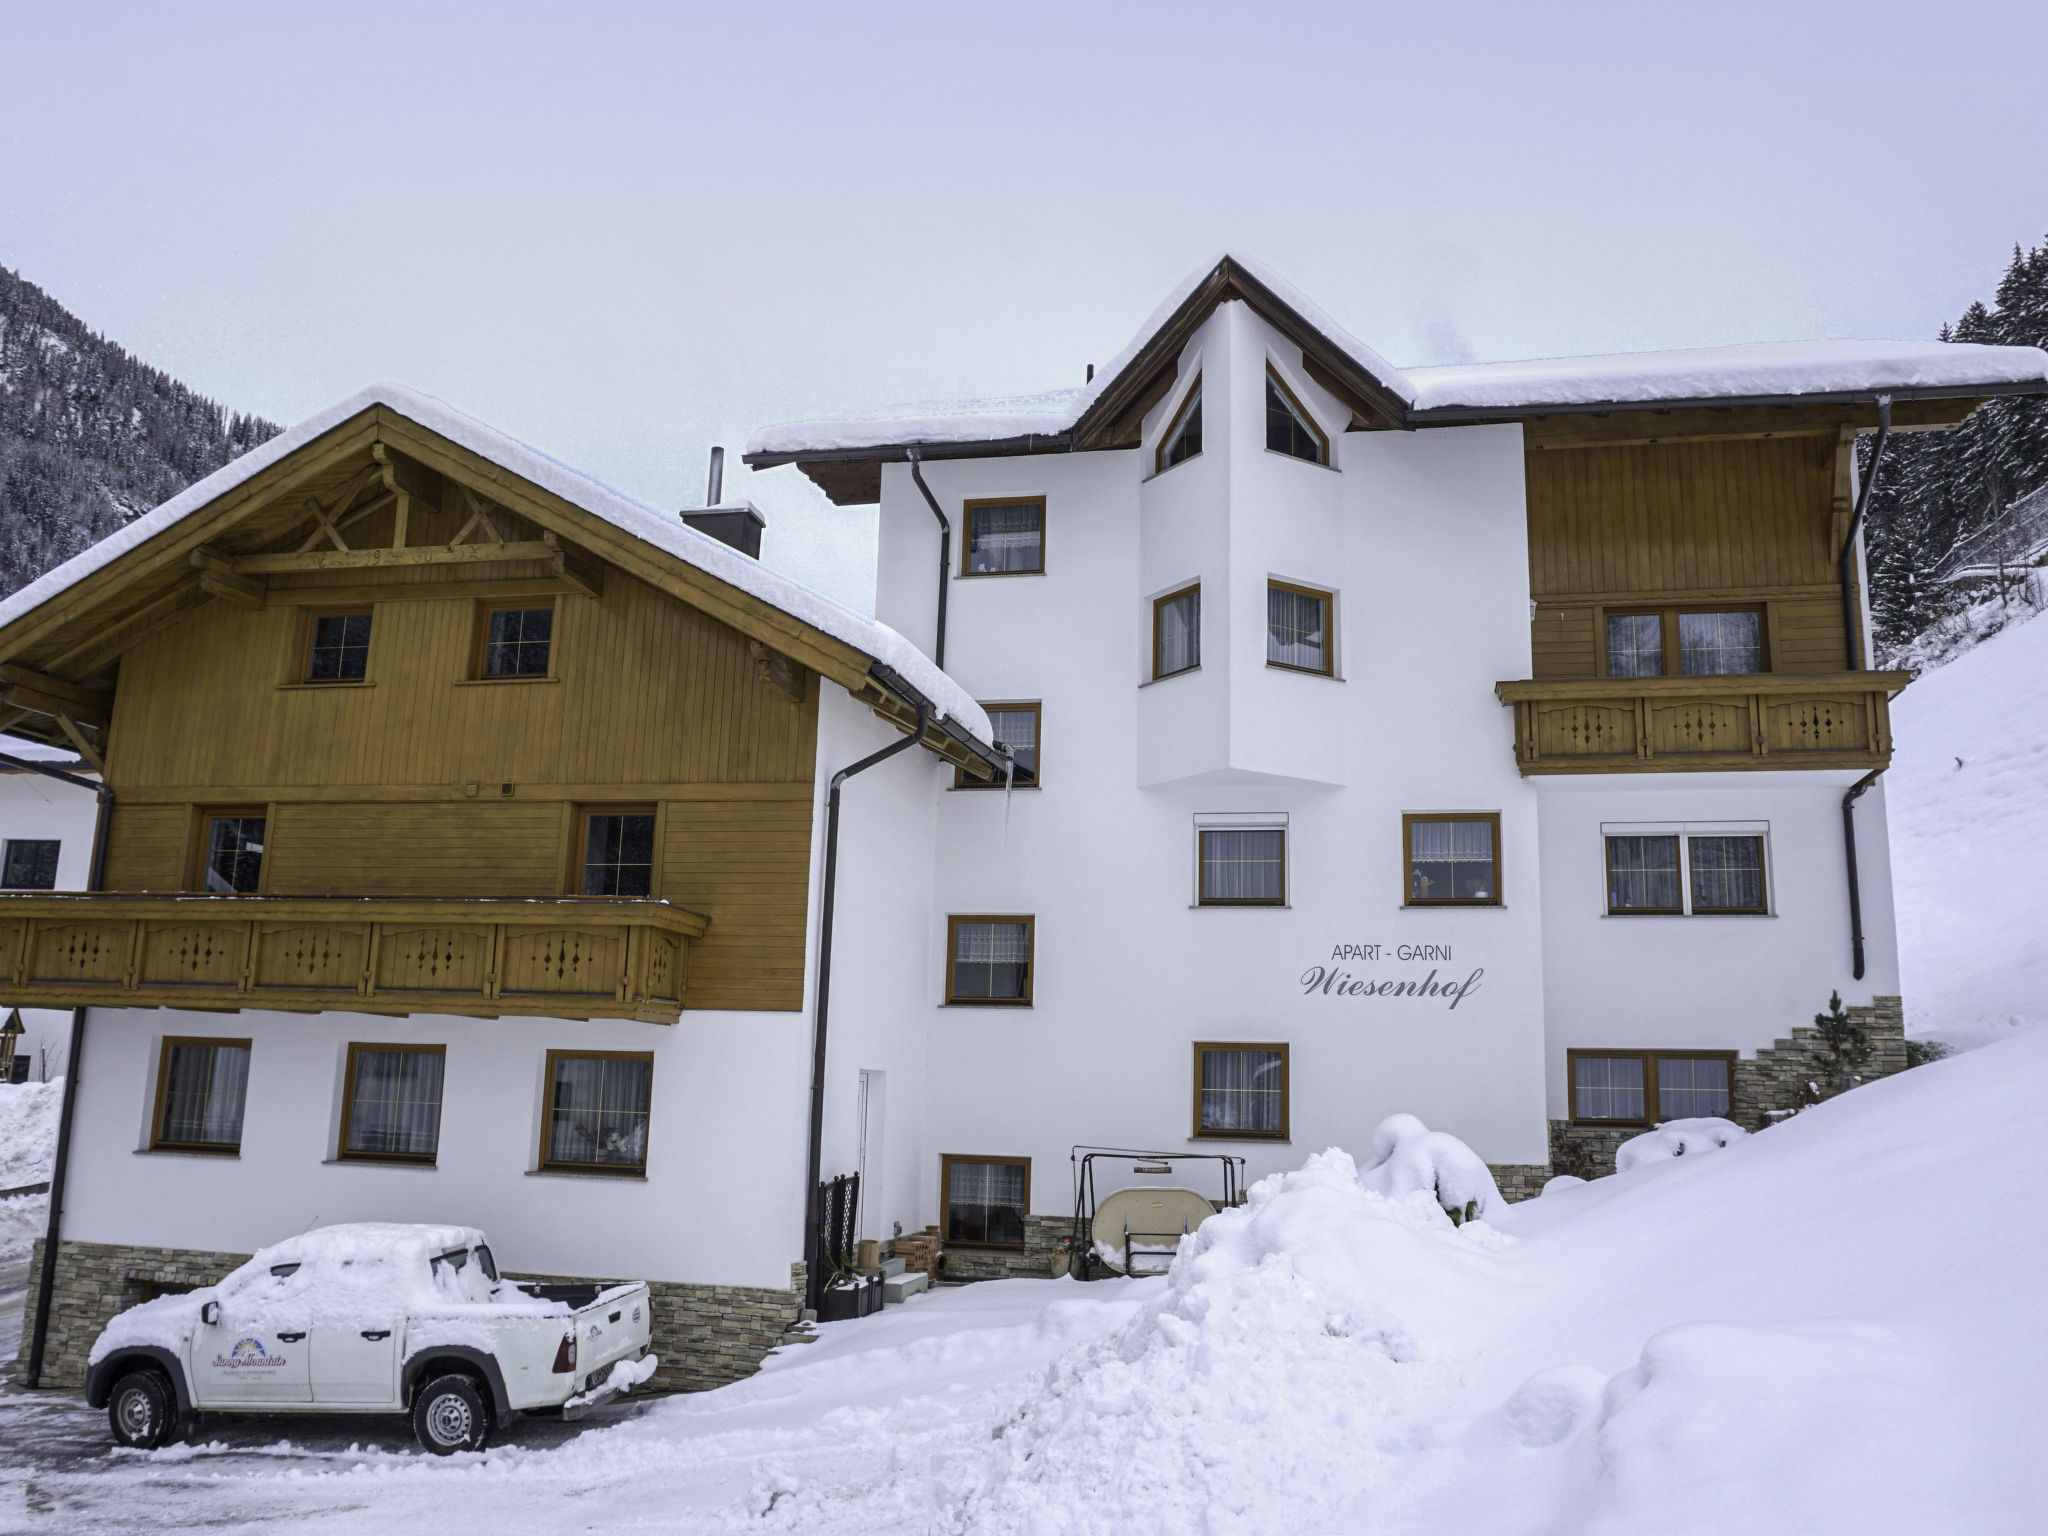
(1281, 666)
(1193, 458)
(229, 1154)
(1631, 916)
(1170, 676)
(338, 683)
(1454, 906)
(1264, 1141)
(630, 1175)
(1311, 463)
(984, 1002)
(494, 682)
(378, 1162)
(979, 575)
(1240, 906)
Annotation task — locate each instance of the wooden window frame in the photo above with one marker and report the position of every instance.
(1409, 899)
(967, 511)
(1158, 612)
(1286, 1090)
(579, 848)
(1303, 415)
(348, 1106)
(546, 1164)
(1030, 922)
(1187, 401)
(163, 1085)
(480, 642)
(1012, 706)
(1667, 614)
(1652, 1104)
(312, 622)
(946, 1162)
(208, 815)
(1329, 602)
(1286, 871)
(1683, 836)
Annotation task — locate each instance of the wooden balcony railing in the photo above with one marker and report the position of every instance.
(1674, 724)
(559, 957)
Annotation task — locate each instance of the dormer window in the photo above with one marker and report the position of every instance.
(1183, 439)
(1288, 427)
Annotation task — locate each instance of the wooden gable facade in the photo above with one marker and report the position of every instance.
(423, 824)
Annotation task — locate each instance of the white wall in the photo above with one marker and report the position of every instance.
(1708, 982)
(718, 1204)
(32, 806)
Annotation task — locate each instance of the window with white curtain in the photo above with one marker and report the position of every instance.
(988, 960)
(1453, 858)
(202, 1088)
(1242, 866)
(1650, 1087)
(598, 1105)
(391, 1103)
(1241, 1091)
(1686, 869)
(1004, 538)
(1177, 632)
(987, 1199)
(1298, 628)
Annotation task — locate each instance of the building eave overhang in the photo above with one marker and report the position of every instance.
(1460, 415)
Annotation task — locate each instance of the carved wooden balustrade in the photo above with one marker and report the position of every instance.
(1769, 720)
(559, 957)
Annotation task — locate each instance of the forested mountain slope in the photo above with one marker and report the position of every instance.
(90, 436)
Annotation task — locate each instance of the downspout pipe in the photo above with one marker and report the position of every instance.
(814, 1215)
(945, 553)
(1850, 621)
(1855, 793)
(46, 1278)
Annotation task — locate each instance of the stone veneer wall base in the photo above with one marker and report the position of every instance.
(705, 1335)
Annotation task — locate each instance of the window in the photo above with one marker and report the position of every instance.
(31, 864)
(1241, 1091)
(1298, 628)
(1004, 538)
(618, 851)
(1183, 438)
(337, 647)
(1177, 632)
(988, 960)
(1016, 727)
(1623, 1087)
(515, 642)
(1242, 866)
(597, 1111)
(1671, 642)
(1288, 427)
(1675, 873)
(1453, 859)
(232, 855)
(987, 1199)
(201, 1088)
(391, 1103)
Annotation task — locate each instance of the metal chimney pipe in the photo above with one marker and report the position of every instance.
(715, 491)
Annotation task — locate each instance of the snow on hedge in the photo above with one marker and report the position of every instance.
(1677, 1138)
(1410, 1158)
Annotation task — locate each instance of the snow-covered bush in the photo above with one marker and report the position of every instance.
(1409, 1157)
(1676, 1138)
(1559, 1183)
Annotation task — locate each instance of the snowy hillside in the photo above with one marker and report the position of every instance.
(1967, 798)
(1835, 1326)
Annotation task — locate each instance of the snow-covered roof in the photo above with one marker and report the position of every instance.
(1767, 371)
(669, 534)
(1756, 370)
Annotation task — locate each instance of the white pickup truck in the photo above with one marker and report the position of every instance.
(371, 1318)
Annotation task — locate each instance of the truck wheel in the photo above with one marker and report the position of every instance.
(142, 1411)
(449, 1416)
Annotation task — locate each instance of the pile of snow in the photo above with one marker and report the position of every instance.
(1677, 1138)
(28, 1131)
(1410, 1158)
(1967, 804)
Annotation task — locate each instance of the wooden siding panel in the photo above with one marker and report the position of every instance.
(460, 849)
(746, 866)
(146, 847)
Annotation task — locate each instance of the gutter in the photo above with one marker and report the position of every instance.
(1849, 800)
(46, 1278)
(945, 554)
(814, 1215)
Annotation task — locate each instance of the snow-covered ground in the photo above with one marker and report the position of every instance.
(1834, 1326)
(28, 1137)
(1968, 806)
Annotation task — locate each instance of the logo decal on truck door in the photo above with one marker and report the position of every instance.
(247, 1352)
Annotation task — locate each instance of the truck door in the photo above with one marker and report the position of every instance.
(254, 1351)
(356, 1361)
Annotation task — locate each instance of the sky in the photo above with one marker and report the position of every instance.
(627, 232)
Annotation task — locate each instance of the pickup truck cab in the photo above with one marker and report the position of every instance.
(371, 1318)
